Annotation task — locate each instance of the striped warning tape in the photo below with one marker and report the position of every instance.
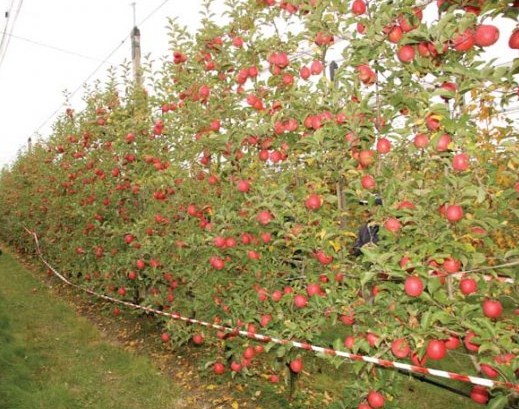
(301, 345)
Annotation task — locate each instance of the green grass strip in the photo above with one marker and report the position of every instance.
(50, 357)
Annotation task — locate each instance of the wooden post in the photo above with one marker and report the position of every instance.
(136, 56)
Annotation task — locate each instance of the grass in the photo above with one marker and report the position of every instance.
(50, 357)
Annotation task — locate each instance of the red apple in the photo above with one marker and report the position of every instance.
(406, 53)
(413, 286)
(454, 213)
(349, 341)
(443, 143)
(479, 394)
(296, 365)
(492, 308)
(358, 7)
(464, 41)
(421, 141)
(486, 35)
(451, 265)
(400, 348)
(198, 339)
(436, 349)
(368, 182)
(165, 337)
(467, 341)
(383, 146)
(513, 42)
(489, 370)
(313, 202)
(243, 186)
(366, 157)
(452, 342)
(395, 34)
(392, 224)
(468, 286)
(300, 301)
(376, 399)
(460, 162)
(218, 368)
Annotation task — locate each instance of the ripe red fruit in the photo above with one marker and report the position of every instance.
(364, 405)
(296, 365)
(421, 141)
(235, 366)
(249, 353)
(413, 286)
(395, 34)
(464, 41)
(366, 157)
(366, 74)
(492, 308)
(400, 348)
(218, 368)
(140, 264)
(406, 204)
(300, 301)
(467, 341)
(316, 67)
(392, 224)
(274, 378)
(468, 286)
(358, 7)
(486, 35)
(276, 295)
(314, 289)
(132, 275)
(165, 337)
(265, 319)
(372, 339)
(460, 162)
(383, 145)
(443, 143)
(449, 87)
(368, 182)
(454, 213)
(451, 265)
(243, 186)
(128, 238)
(198, 339)
(479, 394)
(452, 342)
(264, 217)
(513, 42)
(376, 399)
(349, 341)
(489, 370)
(313, 202)
(348, 319)
(305, 73)
(406, 53)
(436, 349)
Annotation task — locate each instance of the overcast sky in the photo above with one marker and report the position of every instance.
(33, 74)
(33, 77)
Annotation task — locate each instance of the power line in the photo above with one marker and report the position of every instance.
(103, 62)
(2, 57)
(7, 17)
(52, 47)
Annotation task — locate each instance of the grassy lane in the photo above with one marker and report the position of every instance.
(50, 357)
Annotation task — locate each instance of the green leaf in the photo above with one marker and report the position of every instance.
(499, 402)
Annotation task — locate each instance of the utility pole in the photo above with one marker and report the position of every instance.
(29, 144)
(136, 50)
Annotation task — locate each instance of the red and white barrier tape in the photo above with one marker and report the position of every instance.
(301, 345)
